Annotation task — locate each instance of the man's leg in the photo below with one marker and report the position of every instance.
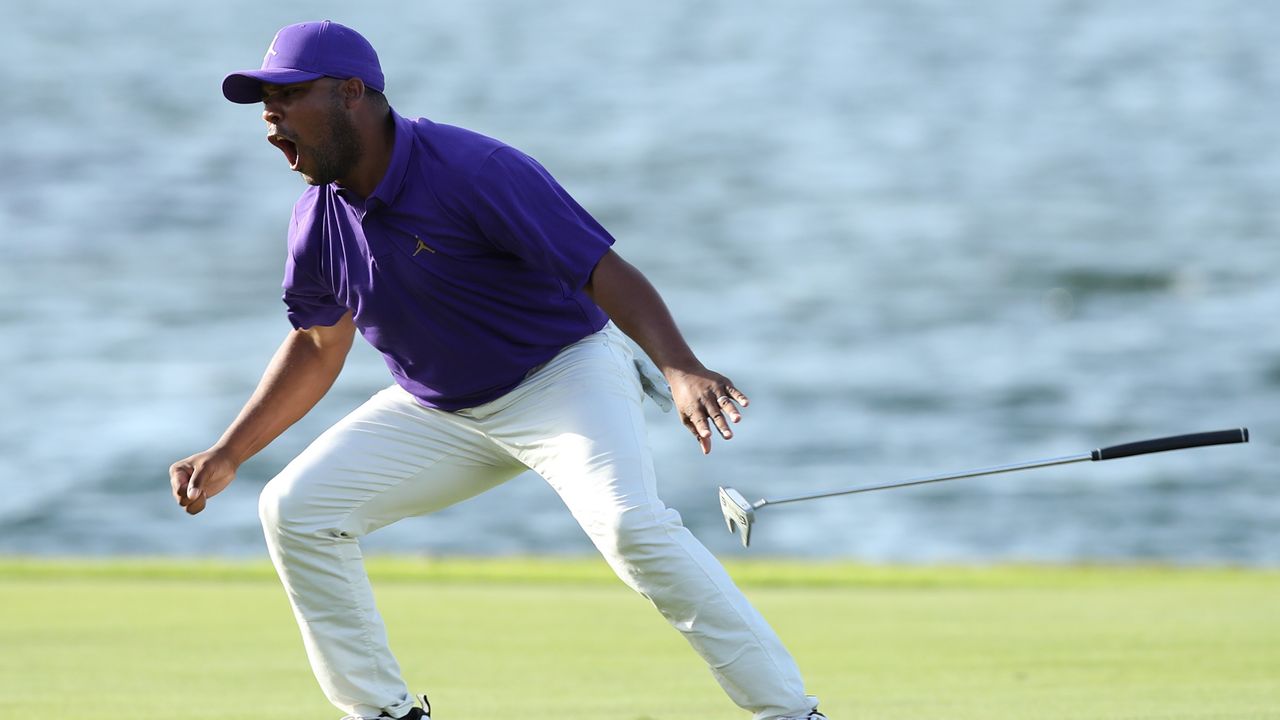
(387, 460)
(578, 423)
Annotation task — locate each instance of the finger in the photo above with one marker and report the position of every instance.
(179, 476)
(726, 405)
(195, 486)
(716, 414)
(195, 506)
(702, 422)
(700, 427)
(738, 396)
(688, 421)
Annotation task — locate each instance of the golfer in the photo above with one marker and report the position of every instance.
(499, 307)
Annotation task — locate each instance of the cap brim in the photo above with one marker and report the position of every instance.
(246, 87)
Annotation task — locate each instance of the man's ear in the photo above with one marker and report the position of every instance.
(352, 91)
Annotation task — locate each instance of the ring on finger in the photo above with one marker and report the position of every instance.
(724, 398)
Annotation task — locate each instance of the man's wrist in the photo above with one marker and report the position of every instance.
(230, 452)
(684, 366)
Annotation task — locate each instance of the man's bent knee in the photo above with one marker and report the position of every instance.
(283, 508)
(270, 507)
(640, 534)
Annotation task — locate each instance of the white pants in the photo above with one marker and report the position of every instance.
(577, 422)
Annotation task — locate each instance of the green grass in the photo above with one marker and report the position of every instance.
(563, 640)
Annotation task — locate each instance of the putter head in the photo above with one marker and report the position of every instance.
(738, 513)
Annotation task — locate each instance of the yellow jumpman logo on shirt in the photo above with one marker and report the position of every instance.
(421, 246)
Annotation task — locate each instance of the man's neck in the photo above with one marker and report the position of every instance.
(378, 139)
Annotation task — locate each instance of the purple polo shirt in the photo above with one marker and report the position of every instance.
(465, 268)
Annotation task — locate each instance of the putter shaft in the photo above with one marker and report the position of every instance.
(1083, 457)
(739, 513)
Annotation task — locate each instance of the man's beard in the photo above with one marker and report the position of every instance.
(335, 158)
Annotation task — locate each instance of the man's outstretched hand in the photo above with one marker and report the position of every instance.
(705, 398)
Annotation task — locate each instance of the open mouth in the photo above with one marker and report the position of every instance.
(287, 146)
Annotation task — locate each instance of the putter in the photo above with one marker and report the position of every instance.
(740, 514)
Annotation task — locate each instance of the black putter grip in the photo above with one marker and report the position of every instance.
(1176, 442)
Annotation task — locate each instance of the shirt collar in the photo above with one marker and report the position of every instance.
(393, 180)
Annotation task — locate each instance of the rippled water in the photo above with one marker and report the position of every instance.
(922, 238)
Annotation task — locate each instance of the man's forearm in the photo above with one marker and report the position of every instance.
(702, 397)
(638, 310)
(299, 375)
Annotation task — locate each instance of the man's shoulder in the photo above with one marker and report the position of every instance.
(453, 148)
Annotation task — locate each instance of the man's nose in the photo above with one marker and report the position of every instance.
(270, 113)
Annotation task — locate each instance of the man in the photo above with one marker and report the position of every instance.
(493, 297)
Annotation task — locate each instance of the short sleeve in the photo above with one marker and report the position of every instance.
(521, 209)
(309, 300)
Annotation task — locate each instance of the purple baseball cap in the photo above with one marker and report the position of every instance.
(308, 51)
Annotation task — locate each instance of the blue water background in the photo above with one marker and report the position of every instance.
(924, 236)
